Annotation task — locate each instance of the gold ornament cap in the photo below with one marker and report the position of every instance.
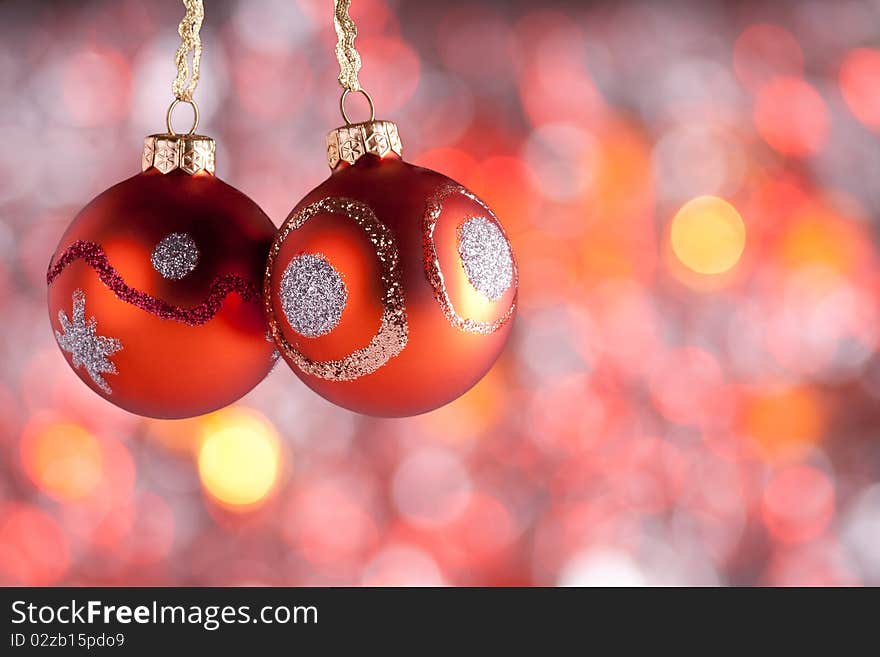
(351, 142)
(190, 153)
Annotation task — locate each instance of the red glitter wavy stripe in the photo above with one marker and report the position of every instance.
(95, 257)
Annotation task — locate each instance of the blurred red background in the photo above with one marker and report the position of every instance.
(691, 392)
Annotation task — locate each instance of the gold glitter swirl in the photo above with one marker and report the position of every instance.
(393, 332)
(433, 208)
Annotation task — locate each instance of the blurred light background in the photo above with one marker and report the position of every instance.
(692, 392)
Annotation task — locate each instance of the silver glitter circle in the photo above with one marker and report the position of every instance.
(313, 295)
(485, 255)
(175, 256)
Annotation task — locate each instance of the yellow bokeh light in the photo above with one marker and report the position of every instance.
(239, 458)
(63, 459)
(708, 235)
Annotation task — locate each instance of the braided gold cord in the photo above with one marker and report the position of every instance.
(190, 42)
(349, 59)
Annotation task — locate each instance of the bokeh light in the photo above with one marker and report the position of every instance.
(792, 117)
(764, 51)
(34, 550)
(859, 77)
(798, 504)
(431, 488)
(708, 235)
(62, 458)
(784, 421)
(97, 87)
(239, 458)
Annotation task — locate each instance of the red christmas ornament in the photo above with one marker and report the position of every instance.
(154, 289)
(390, 288)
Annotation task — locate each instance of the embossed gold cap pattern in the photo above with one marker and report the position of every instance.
(190, 153)
(351, 142)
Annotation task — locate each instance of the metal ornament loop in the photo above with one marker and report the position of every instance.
(342, 105)
(195, 123)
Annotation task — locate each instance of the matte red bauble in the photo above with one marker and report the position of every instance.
(154, 290)
(390, 289)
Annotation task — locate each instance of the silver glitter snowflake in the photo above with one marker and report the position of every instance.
(313, 295)
(485, 255)
(80, 339)
(175, 256)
